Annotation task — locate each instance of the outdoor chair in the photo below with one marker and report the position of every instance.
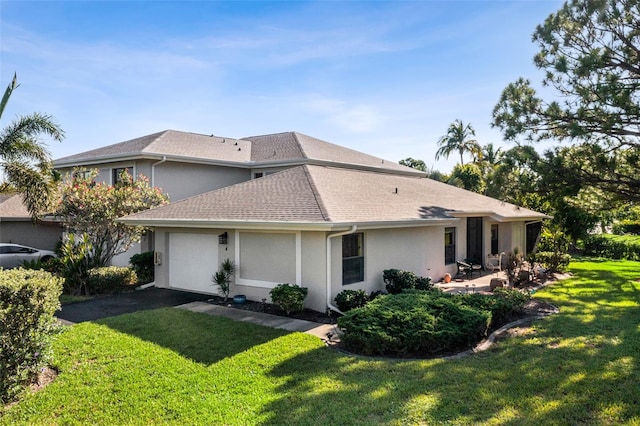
(467, 268)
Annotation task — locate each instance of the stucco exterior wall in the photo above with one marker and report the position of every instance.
(43, 235)
(181, 180)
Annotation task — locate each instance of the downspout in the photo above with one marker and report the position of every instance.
(329, 237)
(153, 170)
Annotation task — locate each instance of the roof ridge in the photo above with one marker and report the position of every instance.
(302, 151)
(155, 140)
(316, 193)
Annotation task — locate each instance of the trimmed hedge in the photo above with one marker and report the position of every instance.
(110, 279)
(396, 281)
(612, 247)
(413, 323)
(627, 227)
(28, 302)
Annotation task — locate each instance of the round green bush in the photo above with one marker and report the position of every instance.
(413, 324)
(351, 299)
(289, 297)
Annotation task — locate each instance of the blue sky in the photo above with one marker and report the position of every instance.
(386, 78)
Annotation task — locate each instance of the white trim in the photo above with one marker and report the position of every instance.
(299, 258)
(256, 283)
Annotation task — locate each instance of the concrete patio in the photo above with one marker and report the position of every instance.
(479, 284)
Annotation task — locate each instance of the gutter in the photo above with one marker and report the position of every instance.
(153, 170)
(328, 277)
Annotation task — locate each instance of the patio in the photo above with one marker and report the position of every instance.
(478, 284)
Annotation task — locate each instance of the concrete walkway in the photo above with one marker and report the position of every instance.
(326, 332)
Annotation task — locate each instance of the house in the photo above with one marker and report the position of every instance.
(184, 164)
(291, 208)
(17, 226)
(328, 228)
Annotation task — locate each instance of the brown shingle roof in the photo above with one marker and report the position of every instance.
(294, 146)
(329, 195)
(254, 151)
(171, 143)
(11, 206)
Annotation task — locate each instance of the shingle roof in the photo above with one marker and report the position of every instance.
(296, 146)
(320, 194)
(11, 206)
(171, 143)
(254, 151)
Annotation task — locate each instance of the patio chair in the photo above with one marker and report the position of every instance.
(467, 268)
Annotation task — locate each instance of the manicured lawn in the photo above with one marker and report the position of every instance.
(174, 367)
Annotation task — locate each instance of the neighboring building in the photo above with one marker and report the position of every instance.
(17, 226)
(291, 208)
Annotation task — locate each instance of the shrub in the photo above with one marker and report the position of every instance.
(142, 264)
(289, 297)
(28, 301)
(503, 304)
(397, 281)
(110, 279)
(412, 323)
(627, 227)
(76, 259)
(612, 247)
(223, 276)
(552, 261)
(351, 299)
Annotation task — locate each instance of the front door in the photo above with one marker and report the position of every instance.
(474, 240)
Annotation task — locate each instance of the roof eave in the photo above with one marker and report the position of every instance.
(284, 225)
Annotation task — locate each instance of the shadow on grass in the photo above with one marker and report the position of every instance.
(201, 338)
(578, 367)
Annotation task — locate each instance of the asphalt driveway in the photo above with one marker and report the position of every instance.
(139, 300)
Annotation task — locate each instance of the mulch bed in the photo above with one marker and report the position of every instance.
(269, 308)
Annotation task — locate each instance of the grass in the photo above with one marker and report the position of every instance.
(174, 367)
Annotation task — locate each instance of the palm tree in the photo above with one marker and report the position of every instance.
(25, 159)
(458, 139)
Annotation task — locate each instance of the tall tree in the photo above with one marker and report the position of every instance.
(26, 160)
(458, 139)
(590, 53)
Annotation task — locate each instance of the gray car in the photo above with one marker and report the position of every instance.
(12, 255)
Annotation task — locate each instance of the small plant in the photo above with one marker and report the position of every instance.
(351, 299)
(289, 297)
(142, 263)
(77, 258)
(222, 278)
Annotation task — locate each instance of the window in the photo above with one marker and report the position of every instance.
(257, 175)
(352, 258)
(494, 239)
(82, 174)
(449, 245)
(117, 174)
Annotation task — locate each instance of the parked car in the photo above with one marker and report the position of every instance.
(12, 255)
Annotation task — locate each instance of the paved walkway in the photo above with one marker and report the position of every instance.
(325, 332)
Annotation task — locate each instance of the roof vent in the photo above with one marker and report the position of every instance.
(236, 143)
(239, 149)
(223, 140)
(396, 191)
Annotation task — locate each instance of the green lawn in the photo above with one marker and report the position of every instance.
(176, 367)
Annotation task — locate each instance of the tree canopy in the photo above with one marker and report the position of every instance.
(92, 208)
(458, 139)
(25, 158)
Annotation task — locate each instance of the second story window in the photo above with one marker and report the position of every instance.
(116, 178)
